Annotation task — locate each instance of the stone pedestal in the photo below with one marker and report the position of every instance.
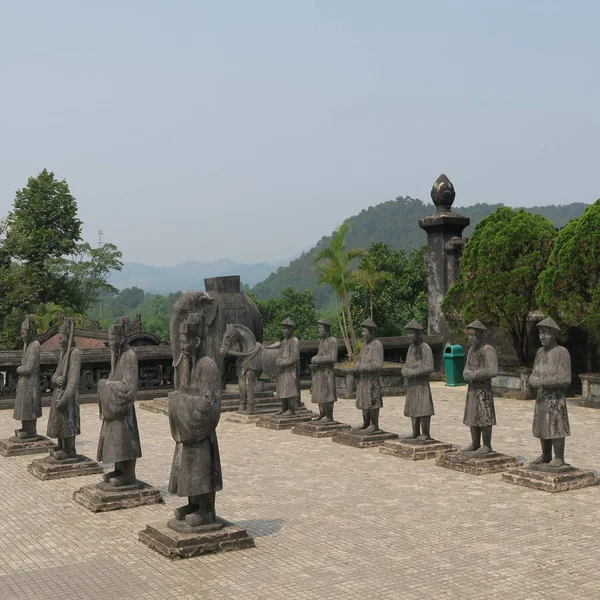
(413, 449)
(184, 544)
(316, 429)
(280, 422)
(360, 439)
(14, 446)
(477, 464)
(100, 498)
(549, 479)
(50, 468)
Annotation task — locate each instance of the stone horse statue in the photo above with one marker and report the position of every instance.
(253, 359)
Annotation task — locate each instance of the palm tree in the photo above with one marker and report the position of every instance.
(334, 266)
(370, 277)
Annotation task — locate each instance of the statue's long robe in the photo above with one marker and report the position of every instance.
(288, 385)
(419, 402)
(368, 390)
(193, 415)
(479, 407)
(119, 436)
(28, 401)
(550, 417)
(323, 374)
(64, 422)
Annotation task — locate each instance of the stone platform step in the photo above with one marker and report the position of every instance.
(265, 403)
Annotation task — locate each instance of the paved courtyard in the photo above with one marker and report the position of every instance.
(330, 521)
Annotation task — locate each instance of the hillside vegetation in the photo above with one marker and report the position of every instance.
(395, 223)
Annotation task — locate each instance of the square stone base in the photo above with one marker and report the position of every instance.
(50, 468)
(413, 449)
(483, 464)
(360, 439)
(15, 447)
(175, 544)
(557, 480)
(243, 418)
(279, 422)
(101, 500)
(316, 429)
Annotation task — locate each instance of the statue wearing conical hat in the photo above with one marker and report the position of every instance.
(63, 420)
(28, 402)
(368, 389)
(119, 441)
(481, 367)
(419, 365)
(288, 381)
(551, 376)
(323, 372)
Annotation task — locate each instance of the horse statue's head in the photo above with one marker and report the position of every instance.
(240, 336)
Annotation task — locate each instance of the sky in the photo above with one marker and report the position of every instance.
(195, 130)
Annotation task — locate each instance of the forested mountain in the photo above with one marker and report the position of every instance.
(395, 223)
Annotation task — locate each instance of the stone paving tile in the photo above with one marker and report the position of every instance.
(330, 521)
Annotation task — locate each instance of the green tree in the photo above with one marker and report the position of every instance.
(49, 315)
(396, 293)
(500, 268)
(299, 306)
(334, 265)
(569, 287)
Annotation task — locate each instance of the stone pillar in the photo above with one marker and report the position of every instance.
(444, 246)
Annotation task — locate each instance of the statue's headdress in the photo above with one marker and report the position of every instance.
(414, 324)
(120, 327)
(477, 325)
(548, 323)
(369, 324)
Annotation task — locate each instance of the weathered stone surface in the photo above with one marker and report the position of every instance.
(360, 439)
(279, 422)
(561, 479)
(484, 464)
(416, 449)
(50, 468)
(590, 390)
(316, 429)
(15, 447)
(97, 499)
(174, 544)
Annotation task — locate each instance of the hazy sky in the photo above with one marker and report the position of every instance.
(249, 129)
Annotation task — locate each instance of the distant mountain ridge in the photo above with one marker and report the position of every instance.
(396, 223)
(189, 275)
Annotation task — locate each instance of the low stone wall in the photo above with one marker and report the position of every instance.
(590, 390)
(391, 378)
(513, 383)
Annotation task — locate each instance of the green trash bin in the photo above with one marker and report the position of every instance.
(454, 361)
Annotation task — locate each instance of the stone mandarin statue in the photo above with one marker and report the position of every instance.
(550, 376)
(480, 368)
(194, 412)
(63, 421)
(323, 375)
(419, 365)
(368, 390)
(288, 386)
(119, 437)
(28, 402)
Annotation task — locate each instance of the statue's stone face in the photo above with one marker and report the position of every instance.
(367, 334)
(26, 333)
(413, 335)
(63, 340)
(287, 332)
(185, 343)
(475, 337)
(114, 341)
(547, 336)
(323, 330)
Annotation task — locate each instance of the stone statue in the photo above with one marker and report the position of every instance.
(368, 389)
(323, 375)
(28, 402)
(419, 365)
(288, 383)
(481, 366)
(551, 375)
(194, 412)
(119, 437)
(63, 421)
